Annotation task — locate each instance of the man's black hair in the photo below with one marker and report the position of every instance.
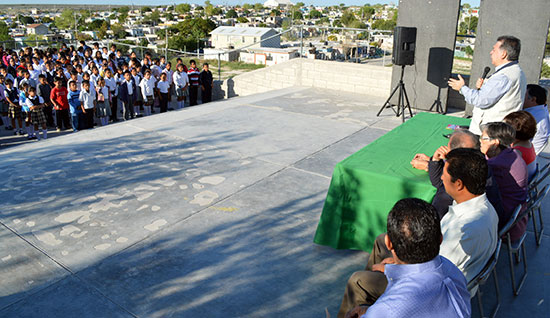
(538, 92)
(470, 166)
(414, 230)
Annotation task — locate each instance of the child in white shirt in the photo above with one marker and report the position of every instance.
(147, 86)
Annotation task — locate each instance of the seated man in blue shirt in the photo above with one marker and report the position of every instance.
(421, 283)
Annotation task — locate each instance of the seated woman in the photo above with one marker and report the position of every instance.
(526, 128)
(509, 171)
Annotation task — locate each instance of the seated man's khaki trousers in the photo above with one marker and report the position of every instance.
(364, 287)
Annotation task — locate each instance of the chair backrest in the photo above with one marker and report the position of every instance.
(512, 220)
(540, 197)
(542, 175)
(531, 188)
(484, 274)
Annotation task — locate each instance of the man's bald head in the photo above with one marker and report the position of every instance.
(464, 139)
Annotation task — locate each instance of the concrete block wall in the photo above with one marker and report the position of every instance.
(365, 79)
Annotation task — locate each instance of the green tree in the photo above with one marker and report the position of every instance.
(183, 8)
(545, 71)
(145, 9)
(247, 6)
(47, 20)
(83, 37)
(169, 16)
(4, 32)
(95, 25)
(208, 8)
(32, 39)
(314, 14)
(123, 10)
(382, 24)
(102, 33)
(366, 12)
(357, 25)
(231, 14)
(153, 18)
(275, 13)
(297, 15)
(118, 31)
(242, 20)
(323, 21)
(258, 6)
(348, 18)
(286, 24)
(469, 51)
(25, 19)
(469, 25)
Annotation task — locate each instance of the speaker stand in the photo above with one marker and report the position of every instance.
(400, 100)
(437, 104)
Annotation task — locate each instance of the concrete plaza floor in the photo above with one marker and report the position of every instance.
(205, 212)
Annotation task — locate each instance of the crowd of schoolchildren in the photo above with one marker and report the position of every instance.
(78, 88)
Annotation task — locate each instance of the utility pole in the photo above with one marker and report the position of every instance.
(166, 50)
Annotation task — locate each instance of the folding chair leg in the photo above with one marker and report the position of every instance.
(479, 302)
(533, 216)
(541, 222)
(494, 313)
(524, 267)
(512, 271)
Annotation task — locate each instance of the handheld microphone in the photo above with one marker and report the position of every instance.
(486, 71)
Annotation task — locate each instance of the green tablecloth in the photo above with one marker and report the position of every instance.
(366, 185)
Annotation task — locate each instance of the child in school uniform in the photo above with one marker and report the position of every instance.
(75, 106)
(181, 82)
(14, 109)
(35, 103)
(103, 108)
(127, 93)
(44, 90)
(111, 84)
(4, 105)
(88, 100)
(139, 98)
(163, 87)
(147, 86)
(25, 110)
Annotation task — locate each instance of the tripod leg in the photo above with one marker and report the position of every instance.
(400, 100)
(408, 103)
(387, 103)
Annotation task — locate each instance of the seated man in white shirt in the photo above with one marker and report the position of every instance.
(535, 104)
(469, 228)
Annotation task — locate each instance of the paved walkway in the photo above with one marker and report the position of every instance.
(205, 212)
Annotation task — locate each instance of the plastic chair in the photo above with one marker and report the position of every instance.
(514, 248)
(481, 278)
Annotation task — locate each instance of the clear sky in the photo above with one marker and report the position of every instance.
(229, 2)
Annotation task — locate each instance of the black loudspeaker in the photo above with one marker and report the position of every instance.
(404, 44)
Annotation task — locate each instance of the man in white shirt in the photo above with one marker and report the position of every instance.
(535, 104)
(500, 94)
(470, 227)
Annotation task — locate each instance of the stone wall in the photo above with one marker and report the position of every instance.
(368, 79)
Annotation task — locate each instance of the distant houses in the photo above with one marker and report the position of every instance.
(277, 3)
(37, 29)
(225, 37)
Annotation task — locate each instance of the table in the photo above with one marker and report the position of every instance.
(366, 185)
